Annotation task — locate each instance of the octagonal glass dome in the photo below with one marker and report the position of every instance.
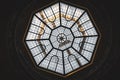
(61, 38)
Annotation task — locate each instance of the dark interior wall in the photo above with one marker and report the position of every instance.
(11, 66)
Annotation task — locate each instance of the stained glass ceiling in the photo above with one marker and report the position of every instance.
(61, 38)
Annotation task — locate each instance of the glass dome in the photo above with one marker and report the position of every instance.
(62, 38)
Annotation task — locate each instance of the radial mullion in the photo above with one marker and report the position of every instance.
(60, 13)
(85, 22)
(37, 46)
(84, 30)
(78, 19)
(37, 31)
(34, 33)
(50, 15)
(70, 62)
(80, 54)
(90, 43)
(63, 62)
(34, 47)
(42, 21)
(85, 42)
(36, 39)
(86, 36)
(88, 29)
(37, 54)
(45, 56)
(36, 25)
(87, 50)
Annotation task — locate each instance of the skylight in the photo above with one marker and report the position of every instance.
(61, 38)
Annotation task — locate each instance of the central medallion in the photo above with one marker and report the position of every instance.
(61, 38)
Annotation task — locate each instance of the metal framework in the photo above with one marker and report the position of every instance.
(61, 38)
